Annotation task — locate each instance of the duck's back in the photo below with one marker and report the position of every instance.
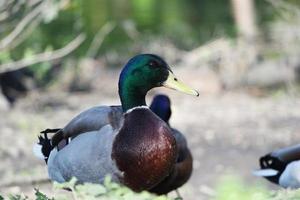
(92, 119)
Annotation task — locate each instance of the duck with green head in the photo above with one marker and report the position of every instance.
(128, 142)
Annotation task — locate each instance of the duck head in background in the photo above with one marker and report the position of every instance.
(161, 106)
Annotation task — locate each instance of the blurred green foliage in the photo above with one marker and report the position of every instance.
(107, 191)
(230, 187)
(186, 23)
(233, 188)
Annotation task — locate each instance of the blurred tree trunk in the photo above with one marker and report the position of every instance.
(244, 15)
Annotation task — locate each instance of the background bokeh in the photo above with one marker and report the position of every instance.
(59, 57)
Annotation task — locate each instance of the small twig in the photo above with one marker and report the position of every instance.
(99, 38)
(26, 33)
(43, 57)
(5, 5)
(21, 25)
(130, 29)
(33, 2)
(8, 9)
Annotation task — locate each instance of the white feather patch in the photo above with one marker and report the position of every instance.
(265, 172)
(37, 151)
(138, 107)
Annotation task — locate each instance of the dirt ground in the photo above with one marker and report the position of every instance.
(227, 132)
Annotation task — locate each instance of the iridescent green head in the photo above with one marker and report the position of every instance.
(142, 73)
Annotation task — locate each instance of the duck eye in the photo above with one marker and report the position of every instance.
(153, 64)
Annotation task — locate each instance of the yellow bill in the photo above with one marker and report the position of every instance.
(173, 83)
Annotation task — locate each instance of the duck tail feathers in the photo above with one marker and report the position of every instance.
(265, 172)
(43, 148)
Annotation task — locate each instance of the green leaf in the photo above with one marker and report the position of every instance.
(41, 196)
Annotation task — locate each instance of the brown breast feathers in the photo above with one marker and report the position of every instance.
(144, 149)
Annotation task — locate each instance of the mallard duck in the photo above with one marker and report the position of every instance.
(161, 106)
(128, 142)
(281, 167)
